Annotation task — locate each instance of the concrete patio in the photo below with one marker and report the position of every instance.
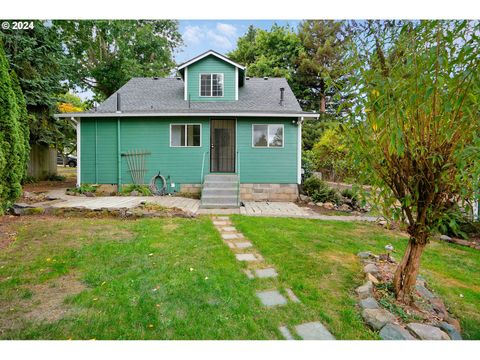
(58, 199)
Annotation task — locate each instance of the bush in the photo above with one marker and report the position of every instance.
(84, 188)
(141, 189)
(319, 191)
(350, 194)
(55, 177)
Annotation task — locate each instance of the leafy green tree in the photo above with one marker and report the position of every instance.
(268, 53)
(105, 54)
(11, 142)
(415, 124)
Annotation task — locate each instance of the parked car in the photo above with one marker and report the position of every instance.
(71, 160)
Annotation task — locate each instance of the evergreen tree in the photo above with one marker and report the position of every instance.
(11, 139)
(24, 122)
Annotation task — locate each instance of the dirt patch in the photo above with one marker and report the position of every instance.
(8, 233)
(47, 303)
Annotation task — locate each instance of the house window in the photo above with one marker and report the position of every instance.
(270, 135)
(182, 135)
(211, 85)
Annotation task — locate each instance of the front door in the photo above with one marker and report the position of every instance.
(222, 146)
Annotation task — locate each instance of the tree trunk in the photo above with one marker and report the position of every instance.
(322, 103)
(407, 271)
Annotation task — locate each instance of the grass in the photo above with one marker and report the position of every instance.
(176, 279)
(318, 260)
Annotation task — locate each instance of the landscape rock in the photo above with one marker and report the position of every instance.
(439, 307)
(450, 330)
(369, 303)
(445, 238)
(320, 204)
(364, 254)
(454, 322)
(365, 291)
(427, 332)
(311, 203)
(424, 292)
(89, 194)
(395, 332)
(377, 318)
(304, 198)
(372, 278)
(134, 193)
(344, 207)
(328, 206)
(371, 268)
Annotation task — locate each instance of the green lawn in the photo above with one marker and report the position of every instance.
(176, 279)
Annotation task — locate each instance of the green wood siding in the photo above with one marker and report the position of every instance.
(208, 65)
(182, 164)
(267, 165)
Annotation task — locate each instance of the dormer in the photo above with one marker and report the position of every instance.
(211, 77)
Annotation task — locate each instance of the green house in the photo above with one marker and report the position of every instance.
(211, 130)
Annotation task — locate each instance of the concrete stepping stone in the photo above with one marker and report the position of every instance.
(243, 245)
(287, 335)
(292, 296)
(228, 229)
(246, 257)
(220, 223)
(223, 218)
(313, 331)
(271, 298)
(230, 245)
(228, 236)
(265, 273)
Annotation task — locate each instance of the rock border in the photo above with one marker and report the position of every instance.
(389, 325)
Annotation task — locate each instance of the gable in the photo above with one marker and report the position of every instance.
(211, 65)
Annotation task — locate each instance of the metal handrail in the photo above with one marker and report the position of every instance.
(238, 174)
(202, 178)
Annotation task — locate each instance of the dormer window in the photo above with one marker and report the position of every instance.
(211, 85)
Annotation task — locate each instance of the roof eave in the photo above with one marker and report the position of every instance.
(196, 114)
(208, 53)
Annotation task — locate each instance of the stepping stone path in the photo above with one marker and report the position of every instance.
(257, 269)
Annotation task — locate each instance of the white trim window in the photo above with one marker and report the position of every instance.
(211, 85)
(267, 135)
(185, 135)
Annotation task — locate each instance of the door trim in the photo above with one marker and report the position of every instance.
(234, 146)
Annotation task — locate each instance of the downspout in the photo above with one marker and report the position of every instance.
(96, 152)
(119, 155)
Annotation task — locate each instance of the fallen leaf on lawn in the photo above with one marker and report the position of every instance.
(151, 254)
(191, 269)
(206, 277)
(150, 326)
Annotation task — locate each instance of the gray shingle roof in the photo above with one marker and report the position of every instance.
(166, 95)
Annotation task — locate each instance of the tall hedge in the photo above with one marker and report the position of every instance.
(11, 141)
(24, 121)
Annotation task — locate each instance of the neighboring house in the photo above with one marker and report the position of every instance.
(213, 128)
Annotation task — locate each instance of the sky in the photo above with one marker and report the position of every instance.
(219, 35)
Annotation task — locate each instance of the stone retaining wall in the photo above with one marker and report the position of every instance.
(268, 192)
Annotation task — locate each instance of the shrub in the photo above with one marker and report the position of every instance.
(350, 194)
(319, 191)
(142, 189)
(55, 177)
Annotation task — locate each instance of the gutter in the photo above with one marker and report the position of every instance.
(305, 115)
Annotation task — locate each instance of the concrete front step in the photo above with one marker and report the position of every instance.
(221, 177)
(220, 192)
(220, 184)
(219, 199)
